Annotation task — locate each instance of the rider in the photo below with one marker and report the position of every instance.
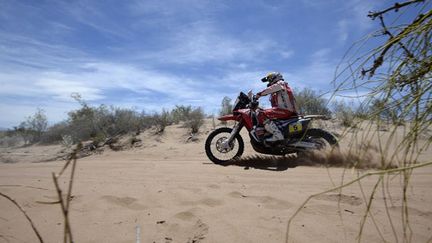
(282, 101)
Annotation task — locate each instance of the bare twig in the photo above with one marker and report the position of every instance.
(395, 40)
(67, 231)
(26, 215)
(32, 187)
(387, 211)
(396, 7)
(67, 237)
(368, 212)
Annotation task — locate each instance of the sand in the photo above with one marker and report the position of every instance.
(170, 192)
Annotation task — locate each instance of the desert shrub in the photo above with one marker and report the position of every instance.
(9, 138)
(384, 110)
(192, 118)
(102, 122)
(10, 141)
(162, 120)
(195, 120)
(310, 102)
(123, 121)
(344, 113)
(38, 124)
(145, 121)
(226, 106)
(82, 123)
(32, 129)
(23, 131)
(55, 133)
(362, 112)
(181, 113)
(98, 124)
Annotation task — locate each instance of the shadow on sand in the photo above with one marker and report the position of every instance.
(363, 159)
(261, 162)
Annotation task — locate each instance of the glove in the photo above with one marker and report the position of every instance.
(254, 104)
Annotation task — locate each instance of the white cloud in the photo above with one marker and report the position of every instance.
(62, 89)
(317, 74)
(213, 61)
(91, 13)
(203, 41)
(23, 51)
(355, 18)
(47, 90)
(343, 30)
(170, 8)
(95, 81)
(286, 54)
(360, 9)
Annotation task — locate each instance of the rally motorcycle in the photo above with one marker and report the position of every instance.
(225, 144)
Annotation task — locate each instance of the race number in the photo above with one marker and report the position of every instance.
(295, 127)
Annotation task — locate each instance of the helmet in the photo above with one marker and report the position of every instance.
(272, 77)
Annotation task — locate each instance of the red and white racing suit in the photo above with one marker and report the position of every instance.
(282, 101)
(283, 107)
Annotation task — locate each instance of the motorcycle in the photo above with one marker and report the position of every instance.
(225, 144)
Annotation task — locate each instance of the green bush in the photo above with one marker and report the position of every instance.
(32, 129)
(100, 123)
(309, 102)
(226, 106)
(10, 141)
(97, 124)
(385, 110)
(162, 120)
(181, 113)
(55, 133)
(344, 113)
(195, 120)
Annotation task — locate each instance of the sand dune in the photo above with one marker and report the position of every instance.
(171, 192)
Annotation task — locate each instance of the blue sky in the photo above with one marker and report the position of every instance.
(150, 54)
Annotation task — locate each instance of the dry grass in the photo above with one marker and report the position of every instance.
(397, 73)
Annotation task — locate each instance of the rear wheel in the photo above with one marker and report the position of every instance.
(218, 151)
(321, 138)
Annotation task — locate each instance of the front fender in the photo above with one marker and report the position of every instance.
(229, 117)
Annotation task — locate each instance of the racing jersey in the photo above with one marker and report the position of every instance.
(281, 96)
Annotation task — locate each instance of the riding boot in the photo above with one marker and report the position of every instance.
(253, 133)
(271, 127)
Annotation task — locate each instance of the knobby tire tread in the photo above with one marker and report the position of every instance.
(210, 138)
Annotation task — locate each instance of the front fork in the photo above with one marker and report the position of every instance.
(236, 129)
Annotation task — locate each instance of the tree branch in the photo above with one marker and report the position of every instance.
(395, 40)
(395, 7)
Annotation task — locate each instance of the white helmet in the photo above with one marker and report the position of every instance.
(272, 77)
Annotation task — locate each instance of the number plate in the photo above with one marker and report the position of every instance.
(295, 127)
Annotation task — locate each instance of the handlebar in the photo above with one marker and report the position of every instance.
(254, 102)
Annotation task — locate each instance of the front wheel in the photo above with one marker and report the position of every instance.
(219, 152)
